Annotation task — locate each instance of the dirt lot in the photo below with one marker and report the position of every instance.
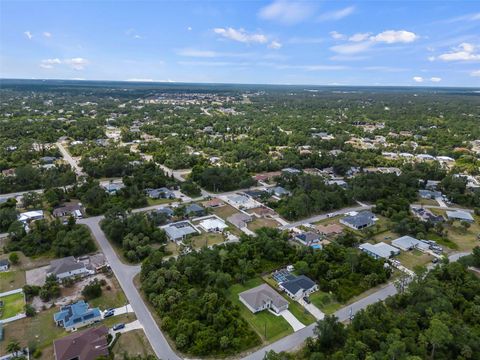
(11, 280)
(132, 343)
(37, 276)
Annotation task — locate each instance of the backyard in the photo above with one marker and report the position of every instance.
(11, 280)
(11, 305)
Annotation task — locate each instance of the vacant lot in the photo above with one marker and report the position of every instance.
(11, 280)
(325, 302)
(12, 305)
(259, 223)
(413, 258)
(133, 343)
(224, 211)
(207, 239)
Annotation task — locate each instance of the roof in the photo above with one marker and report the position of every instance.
(308, 236)
(429, 193)
(261, 294)
(298, 283)
(238, 219)
(193, 208)
(76, 313)
(25, 216)
(408, 242)
(381, 249)
(165, 210)
(460, 215)
(66, 264)
(278, 190)
(179, 230)
(66, 208)
(213, 202)
(213, 224)
(85, 345)
(239, 198)
(361, 219)
(4, 262)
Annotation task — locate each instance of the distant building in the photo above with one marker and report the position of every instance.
(70, 209)
(239, 220)
(291, 171)
(113, 188)
(429, 194)
(179, 231)
(86, 345)
(406, 243)
(168, 212)
(330, 229)
(194, 210)
(380, 250)
(460, 216)
(160, 193)
(299, 287)
(213, 203)
(308, 238)
(28, 216)
(279, 191)
(359, 221)
(263, 297)
(48, 159)
(213, 225)
(67, 267)
(76, 315)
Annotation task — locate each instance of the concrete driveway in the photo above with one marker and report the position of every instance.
(134, 325)
(292, 320)
(312, 309)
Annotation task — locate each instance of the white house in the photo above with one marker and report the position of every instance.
(30, 216)
(212, 225)
(68, 267)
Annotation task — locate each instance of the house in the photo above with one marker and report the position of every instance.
(213, 203)
(262, 211)
(429, 194)
(28, 216)
(279, 191)
(291, 171)
(432, 184)
(426, 215)
(160, 193)
(239, 220)
(180, 230)
(359, 221)
(299, 287)
(113, 188)
(76, 315)
(70, 209)
(68, 267)
(86, 345)
(194, 210)
(460, 216)
(406, 243)
(261, 298)
(330, 229)
(168, 212)
(48, 159)
(256, 194)
(380, 250)
(213, 225)
(308, 238)
(4, 265)
(240, 201)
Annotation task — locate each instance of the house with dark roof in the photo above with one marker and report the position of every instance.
(86, 345)
(168, 212)
(299, 287)
(307, 238)
(429, 194)
(68, 267)
(359, 221)
(194, 210)
(279, 191)
(68, 209)
(263, 297)
(76, 315)
(160, 193)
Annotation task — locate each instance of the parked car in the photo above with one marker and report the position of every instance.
(118, 327)
(435, 260)
(306, 299)
(108, 313)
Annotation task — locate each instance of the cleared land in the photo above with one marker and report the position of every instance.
(133, 343)
(11, 280)
(263, 222)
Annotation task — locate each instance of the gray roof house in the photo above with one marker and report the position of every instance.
(179, 231)
(380, 250)
(240, 220)
(67, 267)
(165, 210)
(299, 286)
(307, 238)
(429, 194)
(261, 298)
(406, 243)
(460, 215)
(194, 210)
(359, 221)
(160, 193)
(279, 191)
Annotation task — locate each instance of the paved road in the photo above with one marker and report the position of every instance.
(66, 155)
(125, 274)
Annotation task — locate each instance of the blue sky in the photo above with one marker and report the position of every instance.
(418, 43)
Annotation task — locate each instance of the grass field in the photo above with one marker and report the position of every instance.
(413, 258)
(207, 239)
(259, 223)
(325, 302)
(268, 326)
(112, 298)
(133, 343)
(224, 211)
(11, 280)
(12, 305)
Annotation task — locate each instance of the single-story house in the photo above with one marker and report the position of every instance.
(380, 250)
(86, 345)
(194, 210)
(262, 211)
(426, 215)
(239, 200)
(239, 220)
(432, 184)
(4, 265)
(48, 159)
(299, 286)
(429, 194)
(213, 225)
(261, 298)
(279, 191)
(70, 209)
(213, 203)
(68, 267)
(168, 212)
(28, 216)
(255, 194)
(76, 315)
(330, 229)
(180, 230)
(160, 193)
(460, 216)
(406, 243)
(113, 188)
(359, 221)
(307, 238)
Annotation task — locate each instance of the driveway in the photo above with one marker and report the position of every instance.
(292, 320)
(134, 325)
(312, 309)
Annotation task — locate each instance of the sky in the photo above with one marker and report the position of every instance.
(404, 43)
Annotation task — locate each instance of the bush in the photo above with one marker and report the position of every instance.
(30, 311)
(93, 290)
(37, 353)
(13, 258)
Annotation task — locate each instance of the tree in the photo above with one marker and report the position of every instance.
(14, 259)
(331, 334)
(92, 290)
(13, 347)
(437, 334)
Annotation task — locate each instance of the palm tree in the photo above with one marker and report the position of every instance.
(13, 347)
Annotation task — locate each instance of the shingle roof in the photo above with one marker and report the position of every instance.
(460, 215)
(261, 294)
(362, 218)
(381, 249)
(86, 345)
(298, 283)
(66, 264)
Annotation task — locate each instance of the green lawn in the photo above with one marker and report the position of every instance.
(11, 280)
(263, 222)
(325, 302)
(112, 298)
(206, 239)
(152, 202)
(12, 305)
(413, 258)
(268, 326)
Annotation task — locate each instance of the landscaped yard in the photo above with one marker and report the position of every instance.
(11, 280)
(413, 258)
(133, 343)
(12, 305)
(268, 326)
(263, 222)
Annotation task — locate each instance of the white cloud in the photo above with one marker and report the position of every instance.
(359, 37)
(431, 58)
(418, 79)
(337, 36)
(435, 79)
(49, 63)
(189, 28)
(352, 48)
(395, 36)
(28, 34)
(475, 73)
(47, 34)
(463, 52)
(77, 63)
(132, 33)
(286, 12)
(197, 53)
(275, 45)
(337, 14)
(241, 35)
